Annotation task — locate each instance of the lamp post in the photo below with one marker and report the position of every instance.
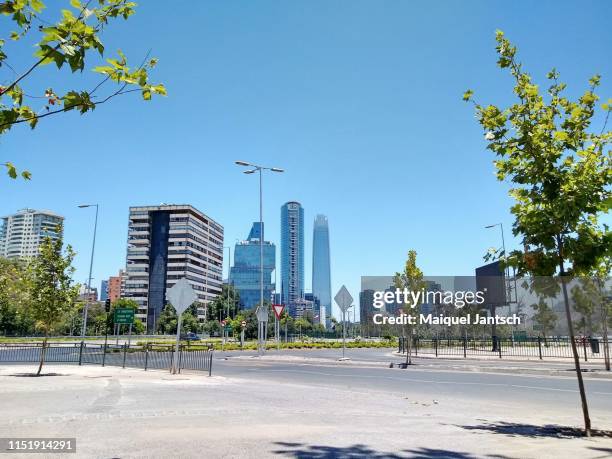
(93, 247)
(257, 168)
(227, 300)
(507, 287)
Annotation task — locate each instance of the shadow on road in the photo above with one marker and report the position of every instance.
(429, 453)
(34, 375)
(607, 452)
(534, 431)
(302, 451)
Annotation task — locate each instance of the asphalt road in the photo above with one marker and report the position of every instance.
(258, 408)
(386, 356)
(539, 392)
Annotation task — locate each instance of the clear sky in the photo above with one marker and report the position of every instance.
(360, 102)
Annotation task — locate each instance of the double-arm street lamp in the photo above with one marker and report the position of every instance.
(507, 286)
(253, 168)
(93, 247)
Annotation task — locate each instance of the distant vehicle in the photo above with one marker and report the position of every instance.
(189, 336)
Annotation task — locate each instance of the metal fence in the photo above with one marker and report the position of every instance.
(148, 356)
(539, 348)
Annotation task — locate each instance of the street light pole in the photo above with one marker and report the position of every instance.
(260, 169)
(93, 247)
(229, 267)
(227, 299)
(501, 226)
(507, 288)
(261, 266)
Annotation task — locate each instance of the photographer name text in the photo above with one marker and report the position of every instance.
(431, 319)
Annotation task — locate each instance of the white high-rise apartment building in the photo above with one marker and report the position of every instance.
(22, 233)
(165, 244)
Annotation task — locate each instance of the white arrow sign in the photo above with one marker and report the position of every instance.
(181, 295)
(343, 299)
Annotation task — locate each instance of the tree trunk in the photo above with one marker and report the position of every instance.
(42, 355)
(409, 348)
(568, 314)
(604, 319)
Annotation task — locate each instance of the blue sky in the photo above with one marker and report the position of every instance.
(359, 101)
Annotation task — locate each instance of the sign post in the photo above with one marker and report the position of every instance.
(181, 296)
(344, 300)
(278, 311)
(107, 307)
(223, 322)
(242, 326)
(262, 322)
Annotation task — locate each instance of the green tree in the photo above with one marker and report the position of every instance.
(585, 301)
(544, 317)
(52, 292)
(226, 304)
(302, 325)
(561, 174)
(14, 291)
(288, 323)
(65, 38)
(168, 320)
(412, 280)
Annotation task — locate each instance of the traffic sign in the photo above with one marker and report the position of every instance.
(343, 299)
(181, 295)
(262, 314)
(124, 316)
(243, 323)
(278, 310)
(223, 322)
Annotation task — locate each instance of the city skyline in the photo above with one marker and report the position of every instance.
(377, 117)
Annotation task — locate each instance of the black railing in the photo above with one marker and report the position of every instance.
(147, 356)
(538, 348)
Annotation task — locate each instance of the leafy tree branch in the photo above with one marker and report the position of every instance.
(67, 42)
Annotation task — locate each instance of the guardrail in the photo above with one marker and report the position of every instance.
(148, 356)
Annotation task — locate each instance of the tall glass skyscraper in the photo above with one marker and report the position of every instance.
(244, 275)
(292, 252)
(321, 277)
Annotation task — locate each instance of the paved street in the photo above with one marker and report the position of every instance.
(384, 356)
(537, 391)
(254, 407)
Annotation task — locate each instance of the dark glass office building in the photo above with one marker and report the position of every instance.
(245, 274)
